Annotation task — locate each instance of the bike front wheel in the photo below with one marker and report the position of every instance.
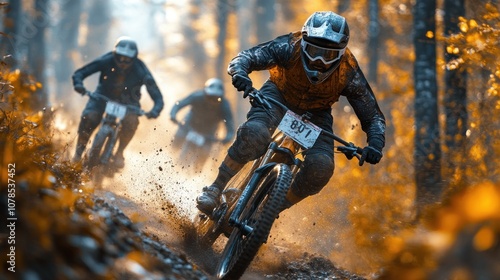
(259, 214)
(95, 152)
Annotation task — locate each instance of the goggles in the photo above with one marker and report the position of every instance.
(124, 59)
(326, 55)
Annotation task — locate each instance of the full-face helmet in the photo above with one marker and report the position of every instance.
(214, 89)
(125, 52)
(324, 39)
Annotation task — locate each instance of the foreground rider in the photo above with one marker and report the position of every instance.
(309, 71)
(208, 109)
(122, 74)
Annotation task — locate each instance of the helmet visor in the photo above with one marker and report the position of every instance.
(326, 55)
(124, 59)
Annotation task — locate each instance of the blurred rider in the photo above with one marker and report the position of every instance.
(208, 108)
(309, 70)
(122, 74)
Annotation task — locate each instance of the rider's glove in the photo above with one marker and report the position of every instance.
(152, 114)
(242, 82)
(370, 155)
(80, 89)
(373, 152)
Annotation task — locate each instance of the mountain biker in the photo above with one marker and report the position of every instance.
(208, 108)
(309, 70)
(122, 74)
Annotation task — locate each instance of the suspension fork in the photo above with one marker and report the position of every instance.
(245, 198)
(287, 147)
(113, 138)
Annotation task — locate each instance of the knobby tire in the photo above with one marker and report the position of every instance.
(95, 151)
(260, 213)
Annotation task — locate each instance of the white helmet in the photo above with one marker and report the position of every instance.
(214, 87)
(125, 51)
(324, 40)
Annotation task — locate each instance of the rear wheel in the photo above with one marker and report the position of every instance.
(259, 214)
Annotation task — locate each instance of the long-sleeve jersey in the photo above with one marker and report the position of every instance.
(282, 57)
(205, 116)
(123, 86)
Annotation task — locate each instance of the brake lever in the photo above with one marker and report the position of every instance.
(350, 151)
(258, 98)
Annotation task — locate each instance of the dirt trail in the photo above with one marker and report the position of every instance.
(161, 201)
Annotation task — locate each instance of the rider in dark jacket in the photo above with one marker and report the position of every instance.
(208, 109)
(309, 71)
(122, 74)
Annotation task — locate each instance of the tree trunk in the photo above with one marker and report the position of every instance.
(373, 40)
(264, 19)
(244, 35)
(427, 153)
(223, 10)
(455, 101)
(486, 109)
(66, 44)
(10, 40)
(194, 50)
(37, 51)
(98, 25)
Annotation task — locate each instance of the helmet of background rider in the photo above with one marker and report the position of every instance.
(125, 52)
(214, 89)
(324, 39)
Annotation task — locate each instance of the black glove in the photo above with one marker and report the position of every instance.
(152, 114)
(371, 155)
(242, 82)
(80, 89)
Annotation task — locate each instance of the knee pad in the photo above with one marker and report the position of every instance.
(314, 174)
(130, 123)
(251, 142)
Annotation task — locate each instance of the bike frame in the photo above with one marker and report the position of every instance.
(286, 149)
(109, 129)
(113, 126)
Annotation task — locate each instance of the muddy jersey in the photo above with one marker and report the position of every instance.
(282, 57)
(123, 86)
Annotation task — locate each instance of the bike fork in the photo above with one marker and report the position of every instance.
(245, 197)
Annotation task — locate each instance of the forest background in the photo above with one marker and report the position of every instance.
(432, 65)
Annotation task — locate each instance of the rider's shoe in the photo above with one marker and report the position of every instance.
(209, 199)
(119, 161)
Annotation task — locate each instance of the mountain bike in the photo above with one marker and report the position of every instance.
(196, 147)
(253, 199)
(102, 148)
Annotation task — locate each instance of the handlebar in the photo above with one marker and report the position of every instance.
(137, 110)
(208, 137)
(348, 149)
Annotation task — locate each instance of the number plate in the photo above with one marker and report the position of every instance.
(305, 133)
(195, 138)
(116, 109)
